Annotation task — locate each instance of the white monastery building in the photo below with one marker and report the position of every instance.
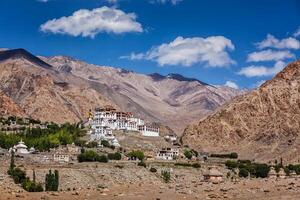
(104, 120)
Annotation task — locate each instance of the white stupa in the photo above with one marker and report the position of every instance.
(21, 148)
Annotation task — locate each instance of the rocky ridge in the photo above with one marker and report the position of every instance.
(263, 124)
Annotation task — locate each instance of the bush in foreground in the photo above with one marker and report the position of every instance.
(114, 156)
(166, 175)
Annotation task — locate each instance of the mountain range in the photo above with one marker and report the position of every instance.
(64, 89)
(263, 124)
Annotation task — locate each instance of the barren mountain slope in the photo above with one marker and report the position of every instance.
(62, 89)
(44, 94)
(8, 107)
(264, 124)
(172, 100)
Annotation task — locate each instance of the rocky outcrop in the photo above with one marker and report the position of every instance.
(263, 124)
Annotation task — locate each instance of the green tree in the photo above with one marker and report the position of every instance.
(12, 160)
(230, 164)
(18, 175)
(50, 181)
(56, 182)
(262, 170)
(136, 155)
(33, 176)
(105, 143)
(243, 173)
(188, 154)
(114, 156)
(102, 158)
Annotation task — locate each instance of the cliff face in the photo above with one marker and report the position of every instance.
(262, 124)
(63, 89)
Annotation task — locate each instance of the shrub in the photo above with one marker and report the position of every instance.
(91, 156)
(153, 170)
(31, 186)
(232, 155)
(136, 155)
(261, 170)
(254, 169)
(244, 161)
(231, 164)
(102, 158)
(196, 165)
(243, 173)
(114, 156)
(287, 171)
(188, 154)
(105, 143)
(277, 168)
(296, 168)
(166, 175)
(18, 175)
(92, 144)
(88, 156)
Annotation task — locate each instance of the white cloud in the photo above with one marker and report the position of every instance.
(89, 23)
(297, 33)
(231, 84)
(272, 42)
(44, 1)
(258, 71)
(269, 55)
(188, 51)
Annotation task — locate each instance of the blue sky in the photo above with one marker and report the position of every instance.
(241, 43)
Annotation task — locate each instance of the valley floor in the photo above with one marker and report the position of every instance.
(108, 181)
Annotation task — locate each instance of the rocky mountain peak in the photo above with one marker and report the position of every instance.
(22, 53)
(174, 76)
(290, 72)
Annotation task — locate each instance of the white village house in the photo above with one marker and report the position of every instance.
(66, 154)
(167, 154)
